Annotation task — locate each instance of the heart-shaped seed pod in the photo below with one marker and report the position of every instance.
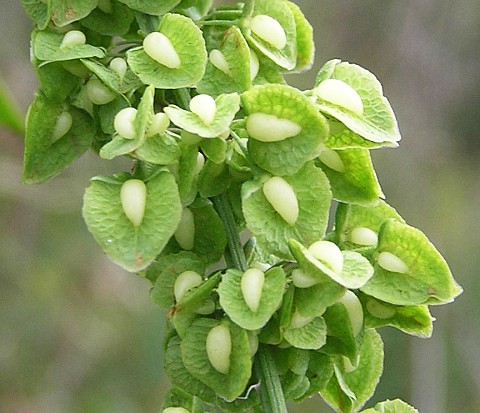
(341, 94)
(217, 59)
(73, 38)
(185, 232)
(119, 66)
(204, 107)
(62, 126)
(133, 196)
(160, 48)
(391, 262)
(219, 348)
(363, 236)
(270, 128)
(282, 198)
(332, 159)
(329, 254)
(124, 123)
(251, 286)
(269, 30)
(186, 281)
(98, 93)
(355, 311)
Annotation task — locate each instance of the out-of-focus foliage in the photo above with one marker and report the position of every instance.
(79, 335)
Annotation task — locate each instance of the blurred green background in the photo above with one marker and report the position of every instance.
(78, 334)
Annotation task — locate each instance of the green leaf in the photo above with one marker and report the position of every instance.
(187, 173)
(195, 9)
(176, 397)
(106, 113)
(67, 11)
(213, 179)
(46, 47)
(312, 336)
(9, 113)
(153, 7)
(233, 303)
(428, 279)
(280, 11)
(355, 273)
(237, 54)
(227, 107)
(194, 355)
(348, 217)
(305, 44)
(197, 297)
(313, 301)
(413, 320)
(272, 232)
(132, 247)
(188, 42)
(378, 123)
(44, 156)
(391, 406)
(287, 156)
(55, 82)
(319, 373)
(115, 23)
(164, 272)
(214, 149)
(294, 385)
(359, 383)
(161, 149)
(39, 11)
(357, 183)
(181, 377)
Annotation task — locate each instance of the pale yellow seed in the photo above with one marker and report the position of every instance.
(73, 38)
(329, 254)
(392, 263)
(185, 232)
(62, 126)
(199, 164)
(160, 48)
(219, 347)
(282, 198)
(251, 286)
(299, 321)
(133, 197)
(204, 107)
(270, 128)
(119, 66)
(355, 311)
(269, 30)
(159, 124)
(363, 236)
(332, 159)
(98, 93)
(186, 281)
(254, 65)
(175, 410)
(253, 342)
(302, 280)
(341, 94)
(217, 58)
(380, 310)
(124, 123)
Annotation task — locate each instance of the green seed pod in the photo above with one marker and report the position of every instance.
(204, 107)
(363, 236)
(160, 48)
(124, 123)
(391, 262)
(332, 159)
(354, 309)
(159, 124)
(219, 348)
(282, 198)
(133, 196)
(119, 66)
(302, 280)
(339, 93)
(269, 128)
(379, 310)
(186, 281)
(62, 126)
(269, 30)
(185, 233)
(251, 286)
(328, 253)
(73, 38)
(98, 93)
(175, 410)
(217, 59)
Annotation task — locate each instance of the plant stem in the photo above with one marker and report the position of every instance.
(271, 392)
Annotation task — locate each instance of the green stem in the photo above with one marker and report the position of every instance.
(271, 392)
(223, 23)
